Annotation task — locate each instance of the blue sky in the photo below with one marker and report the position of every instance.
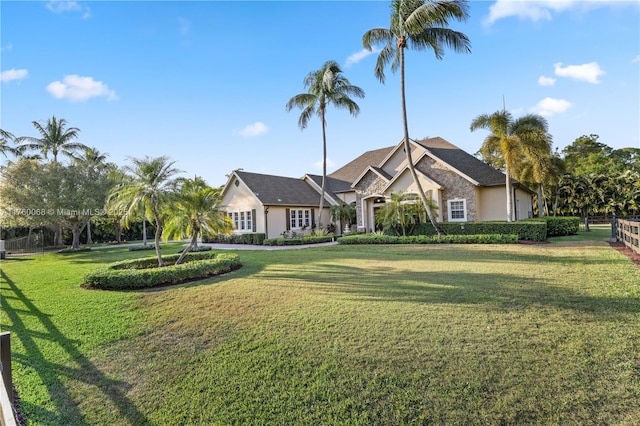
(206, 82)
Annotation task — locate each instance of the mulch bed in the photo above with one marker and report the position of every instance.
(635, 257)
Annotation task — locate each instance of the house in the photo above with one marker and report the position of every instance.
(463, 187)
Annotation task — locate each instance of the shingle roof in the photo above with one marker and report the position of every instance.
(333, 185)
(466, 163)
(350, 171)
(280, 191)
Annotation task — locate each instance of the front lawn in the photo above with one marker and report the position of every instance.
(446, 334)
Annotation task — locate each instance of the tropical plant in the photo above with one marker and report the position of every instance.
(343, 213)
(55, 138)
(5, 148)
(96, 166)
(194, 211)
(146, 190)
(326, 86)
(526, 136)
(401, 211)
(420, 25)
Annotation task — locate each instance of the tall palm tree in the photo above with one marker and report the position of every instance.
(55, 138)
(527, 135)
(419, 25)
(148, 186)
(5, 138)
(325, 86)
(195, 210)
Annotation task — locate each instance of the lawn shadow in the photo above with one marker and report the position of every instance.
(497, 290)
(50, 373)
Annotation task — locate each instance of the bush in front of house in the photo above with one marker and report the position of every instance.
(524, 229)
(196, 249)
(254, 238)
(560, 225)
(145, 273)
(141, 247)
(428, 239)
(298, 241)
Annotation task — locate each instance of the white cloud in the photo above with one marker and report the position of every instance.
(13, 74)
(542, 9)
(60, 6)
(636, 59)
(8, 47)
(255, 129)
(549, 106)
(586, 72)
(358, 56)
(77, 88)
(546, 81)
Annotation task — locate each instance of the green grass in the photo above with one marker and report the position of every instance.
(451, 334)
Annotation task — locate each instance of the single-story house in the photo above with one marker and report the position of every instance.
(463, 187)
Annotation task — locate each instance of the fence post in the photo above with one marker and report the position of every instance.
(5, 363)
(614, 228)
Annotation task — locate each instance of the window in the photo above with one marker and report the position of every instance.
(300, 218)
(242, 221)
(457, 210)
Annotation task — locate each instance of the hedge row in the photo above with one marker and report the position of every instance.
(116, 277)
(558, 226)
(298, 241)
(429, 239)
(256, 238)
(525, 230)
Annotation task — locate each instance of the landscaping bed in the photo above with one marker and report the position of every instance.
(145, 273)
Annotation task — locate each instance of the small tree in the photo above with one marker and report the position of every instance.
(194, 211)
(403, 211)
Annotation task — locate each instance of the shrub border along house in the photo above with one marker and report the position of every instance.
(298, 241)
(429, 239)
(144, 273)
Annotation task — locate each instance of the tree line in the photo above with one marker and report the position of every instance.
(59, 183)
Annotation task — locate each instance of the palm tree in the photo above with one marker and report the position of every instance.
(55, 138)
(512, 139)
(195, 211)
(5, 149)
(420, 25)
(96, 164)
(147, 187)
(325, 86)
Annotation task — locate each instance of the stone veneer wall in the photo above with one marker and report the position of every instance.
(370, 184)
(454, 186)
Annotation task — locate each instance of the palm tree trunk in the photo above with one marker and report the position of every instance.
(509, 195)
(193, 243)
(540, 201)
(324, 169)
(407, 147)
(157, 239)
(144, 231)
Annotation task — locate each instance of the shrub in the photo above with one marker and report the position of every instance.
(524, 229)
(144, 273)
(309, 239)
(429, 239)
(255, 238)
(558, 226)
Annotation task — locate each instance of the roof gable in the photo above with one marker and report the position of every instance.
(352, 170)
(465, 164)
(279, 190)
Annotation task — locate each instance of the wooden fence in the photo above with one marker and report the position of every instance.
(7, 417)
(628, 232)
